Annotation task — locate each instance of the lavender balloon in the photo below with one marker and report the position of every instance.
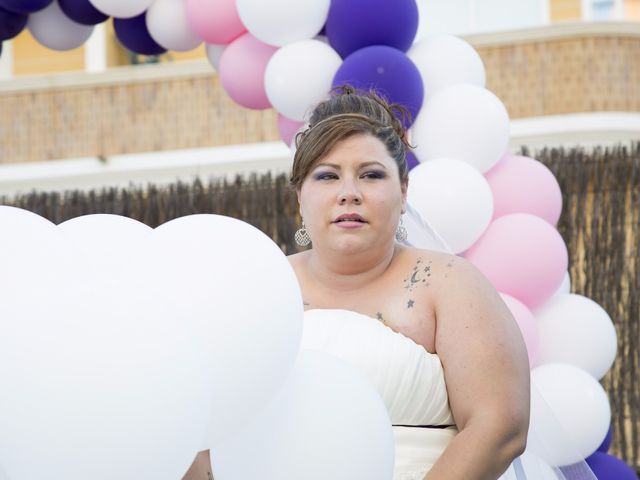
(388, 71)
(11, 23)
(133, 34)
(608, 467)
(82, 11)
(24, 6)
(354, 24)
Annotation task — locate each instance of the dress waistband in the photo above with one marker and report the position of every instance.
(424, 426)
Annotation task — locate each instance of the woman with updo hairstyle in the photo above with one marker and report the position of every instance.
(424, 327)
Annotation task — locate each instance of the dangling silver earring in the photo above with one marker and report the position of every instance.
(302, 237)
(401, 232)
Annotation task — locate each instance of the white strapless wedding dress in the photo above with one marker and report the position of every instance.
(409, 379)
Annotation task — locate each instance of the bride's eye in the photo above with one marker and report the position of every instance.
(325, 176)
(374, 174)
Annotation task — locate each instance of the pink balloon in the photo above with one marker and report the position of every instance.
(523, 256)
(528, 325)
(242, 67)
(215, 21)
(288, 128)
(524, 185)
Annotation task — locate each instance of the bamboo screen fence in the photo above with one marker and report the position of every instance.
(600, 224)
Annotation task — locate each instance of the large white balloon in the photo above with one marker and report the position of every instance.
(242, 301)
(168, 26)
(118, 341)
(575, 329)
(326, 422)
(299, 75)
(570, 414)
(279, 22)
(122, 8)
(53, 29)
(465, 122)
(445, 60)
(454, 198)
(92, 372)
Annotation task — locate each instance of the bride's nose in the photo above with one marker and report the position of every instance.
(349, 194)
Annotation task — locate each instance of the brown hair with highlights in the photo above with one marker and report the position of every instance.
(346, 113)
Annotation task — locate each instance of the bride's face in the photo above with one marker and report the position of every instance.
(353, 198)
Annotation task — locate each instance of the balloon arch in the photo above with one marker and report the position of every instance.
(496, 209)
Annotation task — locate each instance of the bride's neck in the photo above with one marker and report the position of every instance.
(348, 271)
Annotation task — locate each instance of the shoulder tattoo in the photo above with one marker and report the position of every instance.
(419, 276)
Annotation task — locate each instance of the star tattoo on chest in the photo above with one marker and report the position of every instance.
(420, 275)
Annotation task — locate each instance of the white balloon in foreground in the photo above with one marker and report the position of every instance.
(243, 303)
(53, 29)
(93, 373)
(446, 60)
(570, 414)
(299, 75)
(279, 22)
(454, 198)
(326, 422)
(465, 122)
(574, 329)
(168, 26)
(121, 8)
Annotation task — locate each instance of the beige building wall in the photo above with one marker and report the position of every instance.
(632, 10)
(563, 10)
(547, 71)
(31, 58)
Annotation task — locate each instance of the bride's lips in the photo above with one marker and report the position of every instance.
(349, 220)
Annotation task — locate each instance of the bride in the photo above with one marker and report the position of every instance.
(351, 177)
(456, 358)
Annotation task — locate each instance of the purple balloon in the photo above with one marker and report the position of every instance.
(133, 34)
(412, 161)
(386, 70)
(606, 443)
(82, 11)
(355, 24)
(11, 23)
(608, 467)
(24, 6)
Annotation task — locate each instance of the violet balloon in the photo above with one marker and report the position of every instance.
(11, 23)
(82, 11)
(608, 467)
(386, 70)
(133, 34)
(412, 160)
(24, 6)
(355, 24)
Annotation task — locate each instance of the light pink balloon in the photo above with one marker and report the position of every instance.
(215, 21)
(528, 326)
(288, 128)
(524, 185)
(242, 67)
(523, 256)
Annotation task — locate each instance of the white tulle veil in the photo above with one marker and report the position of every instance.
(531, 465)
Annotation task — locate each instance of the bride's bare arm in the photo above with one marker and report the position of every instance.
(486, 373)
(200, 468)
